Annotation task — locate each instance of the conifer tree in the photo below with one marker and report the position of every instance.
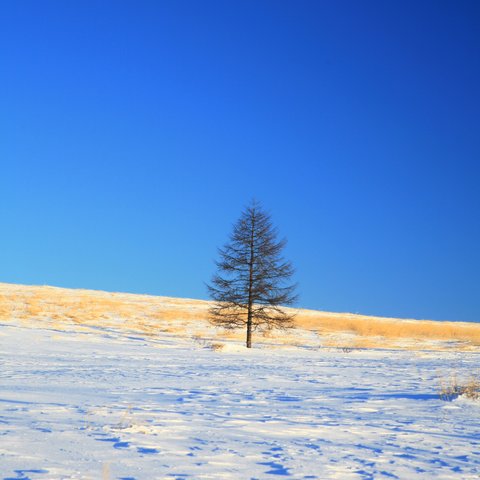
(252, 282)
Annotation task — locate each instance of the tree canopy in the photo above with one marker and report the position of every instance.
(252, 282)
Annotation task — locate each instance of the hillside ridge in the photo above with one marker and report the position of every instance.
(67, 307)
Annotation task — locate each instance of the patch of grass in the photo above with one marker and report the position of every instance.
(453, 388)
(389, 328)
(207, 343)
(216, 346)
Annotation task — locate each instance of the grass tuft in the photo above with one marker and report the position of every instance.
(453, 389)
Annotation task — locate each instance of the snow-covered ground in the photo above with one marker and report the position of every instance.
(106, 404)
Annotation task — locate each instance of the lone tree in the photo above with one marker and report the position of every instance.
(252, 282)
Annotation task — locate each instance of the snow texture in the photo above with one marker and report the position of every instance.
(106, 404)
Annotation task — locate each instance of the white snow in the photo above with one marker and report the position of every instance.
(106, 404)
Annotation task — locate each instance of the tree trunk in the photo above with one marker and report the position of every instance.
(249, 329)
(250, 285)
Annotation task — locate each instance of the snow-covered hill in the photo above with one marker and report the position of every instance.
(102, 398)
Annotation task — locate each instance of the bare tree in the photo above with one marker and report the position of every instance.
(252, 281)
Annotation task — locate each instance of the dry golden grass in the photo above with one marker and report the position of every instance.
(64, 306)
(390, 328)
(151, 315)
(453, 388)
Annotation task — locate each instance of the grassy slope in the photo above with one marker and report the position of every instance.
(79, 309)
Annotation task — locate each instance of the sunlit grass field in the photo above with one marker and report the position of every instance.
(83, 309)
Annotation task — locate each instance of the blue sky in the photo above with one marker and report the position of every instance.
(134, 132)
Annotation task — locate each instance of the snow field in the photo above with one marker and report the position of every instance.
(106, 404)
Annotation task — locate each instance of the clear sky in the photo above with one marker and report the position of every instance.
(132, 134)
